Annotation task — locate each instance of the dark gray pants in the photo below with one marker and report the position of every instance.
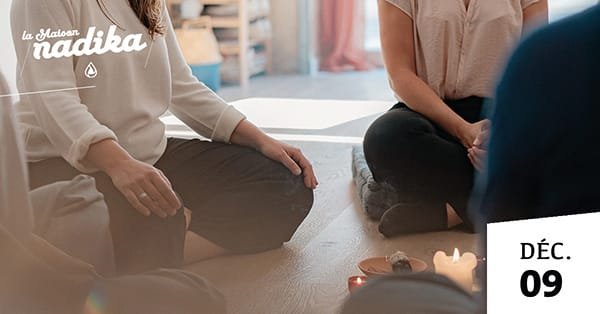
(241, 201)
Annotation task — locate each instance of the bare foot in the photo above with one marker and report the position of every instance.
(453, 218)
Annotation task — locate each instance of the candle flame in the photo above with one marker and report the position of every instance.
(456, 255)
(359, 281)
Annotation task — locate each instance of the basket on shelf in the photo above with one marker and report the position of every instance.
(201, 50)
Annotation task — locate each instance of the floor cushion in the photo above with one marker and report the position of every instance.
(376, 198)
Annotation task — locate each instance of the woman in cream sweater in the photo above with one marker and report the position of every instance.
(442, 58)
(110, 69)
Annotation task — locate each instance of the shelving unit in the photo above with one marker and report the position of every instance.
(244, 44)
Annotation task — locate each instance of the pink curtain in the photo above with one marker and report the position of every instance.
(341, 46)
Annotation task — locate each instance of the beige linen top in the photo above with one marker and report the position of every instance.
(460, 50)
(131, 90)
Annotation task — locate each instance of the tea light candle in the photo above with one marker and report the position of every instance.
(355, 282)
(456, 267)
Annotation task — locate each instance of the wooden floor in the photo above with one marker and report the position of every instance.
(308, 275)
(372, 85)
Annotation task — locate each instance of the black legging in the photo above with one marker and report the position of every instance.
(427, 166)
(240, 199)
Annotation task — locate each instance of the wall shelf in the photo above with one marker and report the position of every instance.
(244, 47)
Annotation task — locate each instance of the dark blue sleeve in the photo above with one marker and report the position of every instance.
(508, 189)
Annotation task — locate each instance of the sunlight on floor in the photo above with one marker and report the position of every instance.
(307, 114)
(280, 116)
(301, 114)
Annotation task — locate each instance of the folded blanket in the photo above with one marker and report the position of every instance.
(375, 197)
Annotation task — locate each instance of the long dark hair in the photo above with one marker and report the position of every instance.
(148, 11)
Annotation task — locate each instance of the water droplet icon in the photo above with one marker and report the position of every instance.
(91, 71)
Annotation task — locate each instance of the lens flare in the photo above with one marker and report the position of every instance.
(94, 304)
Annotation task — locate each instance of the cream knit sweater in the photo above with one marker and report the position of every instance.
(136, 80)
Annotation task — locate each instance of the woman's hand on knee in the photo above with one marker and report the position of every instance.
(292, 158)
(247, 134)
(145, 187)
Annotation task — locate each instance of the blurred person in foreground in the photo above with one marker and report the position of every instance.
(544, 158)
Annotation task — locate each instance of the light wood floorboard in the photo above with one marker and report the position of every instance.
(309, 274)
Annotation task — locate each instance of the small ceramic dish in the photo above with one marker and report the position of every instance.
(379, 266)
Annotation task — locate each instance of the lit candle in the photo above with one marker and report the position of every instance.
(456, 267)
(356, 282)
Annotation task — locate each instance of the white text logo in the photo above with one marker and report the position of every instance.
(94, 43)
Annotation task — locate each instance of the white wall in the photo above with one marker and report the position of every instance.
(7, 53)
(285, 36)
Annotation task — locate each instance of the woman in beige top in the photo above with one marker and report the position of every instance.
(442, 58)
(38, 277)
(108, 70)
